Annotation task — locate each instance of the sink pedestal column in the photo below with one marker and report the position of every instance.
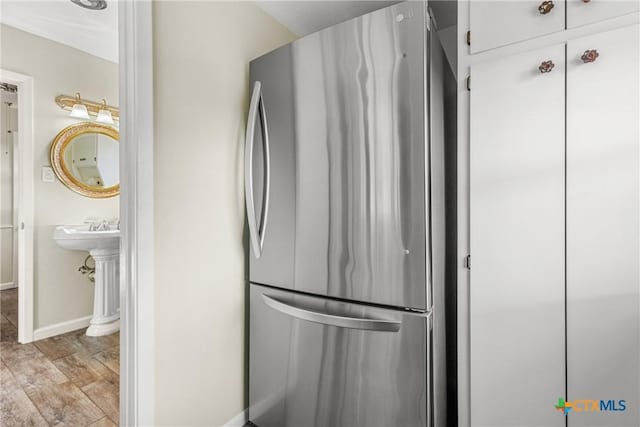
(106, 300)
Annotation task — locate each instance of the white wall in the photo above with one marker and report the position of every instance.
(60, 292)
(201, 55)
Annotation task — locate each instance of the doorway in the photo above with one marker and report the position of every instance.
(137, 368)
(16, 203)
(8, 211)
(87, 366)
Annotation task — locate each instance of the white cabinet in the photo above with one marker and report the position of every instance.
(527, 133)
(496, 23)
(603, 225)
(83, 151)
(581, 12)
(517, 288)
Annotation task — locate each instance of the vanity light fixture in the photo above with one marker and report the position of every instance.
(79, 110)
(104, 115)
(91, 4)
(103, 112)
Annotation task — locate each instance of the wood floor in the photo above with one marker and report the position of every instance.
(68, 380)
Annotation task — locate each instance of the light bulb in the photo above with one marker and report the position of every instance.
(104, 115)
(79, 111)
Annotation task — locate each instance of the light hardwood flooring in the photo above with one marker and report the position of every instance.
(68, 380)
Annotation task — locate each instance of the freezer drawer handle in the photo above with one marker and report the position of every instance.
(256, 232)
(333, 320)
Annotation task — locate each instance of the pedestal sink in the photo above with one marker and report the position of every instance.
(104, 247)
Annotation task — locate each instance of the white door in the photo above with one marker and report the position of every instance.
(517, 240)
(603, 226)
(496, 23)
(581, 12)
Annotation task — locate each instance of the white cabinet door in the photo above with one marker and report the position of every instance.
(517, 197)
(496, 23)
(581, 12)
(603, 226)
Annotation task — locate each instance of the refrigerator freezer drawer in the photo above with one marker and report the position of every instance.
(325, 363)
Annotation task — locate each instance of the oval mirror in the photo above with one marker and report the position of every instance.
(85, 157)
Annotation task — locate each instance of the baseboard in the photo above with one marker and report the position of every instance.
(61, 328)
(239, 420)
(8, 285)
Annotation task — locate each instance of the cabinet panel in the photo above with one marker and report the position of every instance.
(498, 23)
(603, 226)
(580, 12)
(517, 240)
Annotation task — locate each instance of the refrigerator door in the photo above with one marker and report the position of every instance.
(270, 169)
(359, 108)
(319, 362)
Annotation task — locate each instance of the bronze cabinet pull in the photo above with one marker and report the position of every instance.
(589, 56)
(546, 67)
(545, 7)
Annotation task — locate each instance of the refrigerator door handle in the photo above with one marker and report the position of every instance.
(331, 319)
(256, 107)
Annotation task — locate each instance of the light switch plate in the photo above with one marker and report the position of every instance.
(47, 174)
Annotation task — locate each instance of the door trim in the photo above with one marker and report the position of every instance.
(137, 346)
(24, 202)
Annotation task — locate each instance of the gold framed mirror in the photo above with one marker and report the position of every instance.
(85, 157)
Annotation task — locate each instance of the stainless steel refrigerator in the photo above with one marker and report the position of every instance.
(345, 202)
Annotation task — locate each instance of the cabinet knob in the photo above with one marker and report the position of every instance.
(546, 67)
(586, 1)
(545, 7)
(589, 56)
